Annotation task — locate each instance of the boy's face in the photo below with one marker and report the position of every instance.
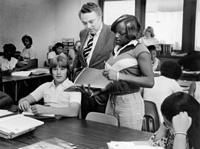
(59, 74)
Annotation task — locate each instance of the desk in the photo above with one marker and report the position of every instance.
(85, 134)
(15, 80)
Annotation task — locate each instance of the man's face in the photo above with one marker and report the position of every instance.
(59, 74)
(91, 21)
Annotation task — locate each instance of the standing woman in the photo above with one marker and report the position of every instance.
(129, 68)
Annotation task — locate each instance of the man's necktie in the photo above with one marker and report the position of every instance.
(88, 47)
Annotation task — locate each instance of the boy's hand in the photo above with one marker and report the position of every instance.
(24, 104)
(181, 122)
(38, 109)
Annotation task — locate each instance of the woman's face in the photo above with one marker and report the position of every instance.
(27, 43)
(59, 74)
(121, 34)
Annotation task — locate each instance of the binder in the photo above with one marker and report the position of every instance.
(15, 125)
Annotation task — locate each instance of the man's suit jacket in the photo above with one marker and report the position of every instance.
(102, 50)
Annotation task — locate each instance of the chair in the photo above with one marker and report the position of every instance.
(102, 118)
(151, 120)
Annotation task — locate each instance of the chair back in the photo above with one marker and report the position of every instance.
(102, 118)
(151, 121)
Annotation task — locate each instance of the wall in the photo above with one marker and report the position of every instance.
(46, 21)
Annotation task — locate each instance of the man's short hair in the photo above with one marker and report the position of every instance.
(90, 7)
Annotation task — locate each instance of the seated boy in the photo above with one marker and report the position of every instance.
(56, 100)
(7, 61)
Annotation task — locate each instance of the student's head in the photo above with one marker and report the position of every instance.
(59, 69)
(183, 102)
(152, 50)
(27, 41)
(126, 28)
(171, 69)
(149, 32)
(9, 50)
(91, 17)
(58, 48)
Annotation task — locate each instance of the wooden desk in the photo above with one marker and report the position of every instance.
(85, 134)
(15, 80)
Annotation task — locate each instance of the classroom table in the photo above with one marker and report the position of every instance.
(85, 134)
(16, 80)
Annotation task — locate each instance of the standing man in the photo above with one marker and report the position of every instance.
(97, 42)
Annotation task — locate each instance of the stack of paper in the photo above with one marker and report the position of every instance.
(131, 145)
(15, 125)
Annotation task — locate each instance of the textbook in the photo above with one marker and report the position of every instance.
(18, 124)
(36, 71)
(92, 76)
(53, 143)
(131, 145)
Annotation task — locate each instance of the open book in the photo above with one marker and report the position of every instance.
(37, 71)
(92, 76)
(38, 116)
(15, 125)
(53, 143)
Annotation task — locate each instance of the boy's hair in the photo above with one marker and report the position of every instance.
(59, 61)
(171, 70)
(27, 37)
(183, 102)
(90, 7)
(58, 44)
(10, 48)
(151, 48)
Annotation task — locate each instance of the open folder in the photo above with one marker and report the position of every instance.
(92, 76)
(15, 125)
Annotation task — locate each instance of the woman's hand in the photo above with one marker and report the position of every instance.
(181, 122)
(110, 74)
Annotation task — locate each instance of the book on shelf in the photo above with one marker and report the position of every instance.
(52, 143)
(14, 125)
(93, 77)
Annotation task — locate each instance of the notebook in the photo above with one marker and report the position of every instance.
(92, 76)
(53, 143)
(15, 125)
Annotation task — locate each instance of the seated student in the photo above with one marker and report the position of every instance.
(194, 90)
(181, 126)
(57, 49)
(164, 85)
(7, 61)
(56, 100)
(154, 59)
(27, 59)
(5, 101)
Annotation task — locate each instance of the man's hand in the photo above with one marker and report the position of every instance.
(38, 109)
(24, 105)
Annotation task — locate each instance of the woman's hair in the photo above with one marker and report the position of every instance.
(27, 37)
(171, 69)
(132, 26)
(150, 30)
(90, 7)
(180, 102)
(58, 44)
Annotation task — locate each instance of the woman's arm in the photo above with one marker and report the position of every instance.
(147, 78)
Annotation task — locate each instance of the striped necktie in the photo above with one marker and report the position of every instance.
(88, 47)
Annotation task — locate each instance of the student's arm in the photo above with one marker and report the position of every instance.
(70, 111)
(147, 78)
(181, 123)
(192, 89)
(24, 103)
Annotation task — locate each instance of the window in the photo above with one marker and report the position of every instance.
(197, 29)
(166, 18)
(114, 9)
